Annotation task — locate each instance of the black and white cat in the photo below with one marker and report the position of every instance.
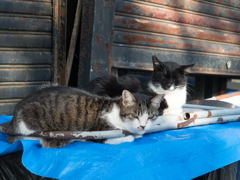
(168, 78)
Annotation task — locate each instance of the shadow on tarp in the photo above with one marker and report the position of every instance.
(184, 153)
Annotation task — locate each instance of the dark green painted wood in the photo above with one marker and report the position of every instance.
(25, 74)
(141, 58)
(26, 7)
(17, 91)
(20, 57)
(7, 108)
(23, 40)
(25, 24)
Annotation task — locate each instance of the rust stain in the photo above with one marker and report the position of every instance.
(174, 29)
(167, 14)
(187, 123)
(220, 120)
(106, 1)
(111, 6)
(98, 39)
(97, 68)
(106, 47)
(209, 114)
(133, 39)
(180, 118)
(197, 6)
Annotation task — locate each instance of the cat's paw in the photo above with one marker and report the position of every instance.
(54, 143)
(116, 141)
(129, 138)
(12, 139)
(137, 136)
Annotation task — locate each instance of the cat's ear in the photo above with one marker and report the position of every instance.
(128, 98)
(186, 68)
(155, 102)
(157, 65)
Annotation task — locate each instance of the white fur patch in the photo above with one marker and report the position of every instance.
(136, 125)
(23, 129)
(171, 88)
(116, 141)
(114, 117)
(175, 99)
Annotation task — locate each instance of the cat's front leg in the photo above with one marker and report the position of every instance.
(120, 140)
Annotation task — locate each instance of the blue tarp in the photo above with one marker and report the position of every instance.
(177, 154)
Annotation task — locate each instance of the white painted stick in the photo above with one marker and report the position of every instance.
(203, 107)
(193, 122)
(212, 113)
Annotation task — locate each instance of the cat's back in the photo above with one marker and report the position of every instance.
(113, 86)
(52, 92)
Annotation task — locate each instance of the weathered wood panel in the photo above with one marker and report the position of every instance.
(27, 41)
(197, 6)
(26, 7)
(177, 29)
(174, 43)
(96, 39)
(7, 108)
(141, 58)
(25, 74)
(17, 91)
(176, 16)
(25, 24)
(233, 3)
(21, 57)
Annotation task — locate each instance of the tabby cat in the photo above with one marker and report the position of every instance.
(60, 108)
(168, 78)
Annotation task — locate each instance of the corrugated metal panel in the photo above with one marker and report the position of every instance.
(25, 49)
(184, 31)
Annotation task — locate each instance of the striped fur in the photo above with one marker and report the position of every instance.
(60, 108)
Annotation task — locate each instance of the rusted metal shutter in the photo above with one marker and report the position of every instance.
(27, 49)
(184, 31)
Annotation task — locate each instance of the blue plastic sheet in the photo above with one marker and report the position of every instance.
(177, 154)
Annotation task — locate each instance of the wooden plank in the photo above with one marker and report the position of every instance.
(23, 40)
(26, 7)
(7, 108)
(21, 57)
(17, 91)
(25, 24)
(173, 28)
(233, 3)
(176, 16)
(141, 58)
(25, 74)
(174, 43)
(96, 39)
(201, 7)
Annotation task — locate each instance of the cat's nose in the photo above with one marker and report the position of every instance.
(142, 127)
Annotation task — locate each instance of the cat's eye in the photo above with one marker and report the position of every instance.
(136, 117)
(152, 117)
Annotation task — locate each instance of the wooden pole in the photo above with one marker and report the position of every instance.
(73, 42)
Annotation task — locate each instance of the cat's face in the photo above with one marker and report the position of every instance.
(169, 75)
(138, 113)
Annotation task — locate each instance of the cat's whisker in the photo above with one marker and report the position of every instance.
(192, 88)
(189, 89)
(189, 95)
(190, 84)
